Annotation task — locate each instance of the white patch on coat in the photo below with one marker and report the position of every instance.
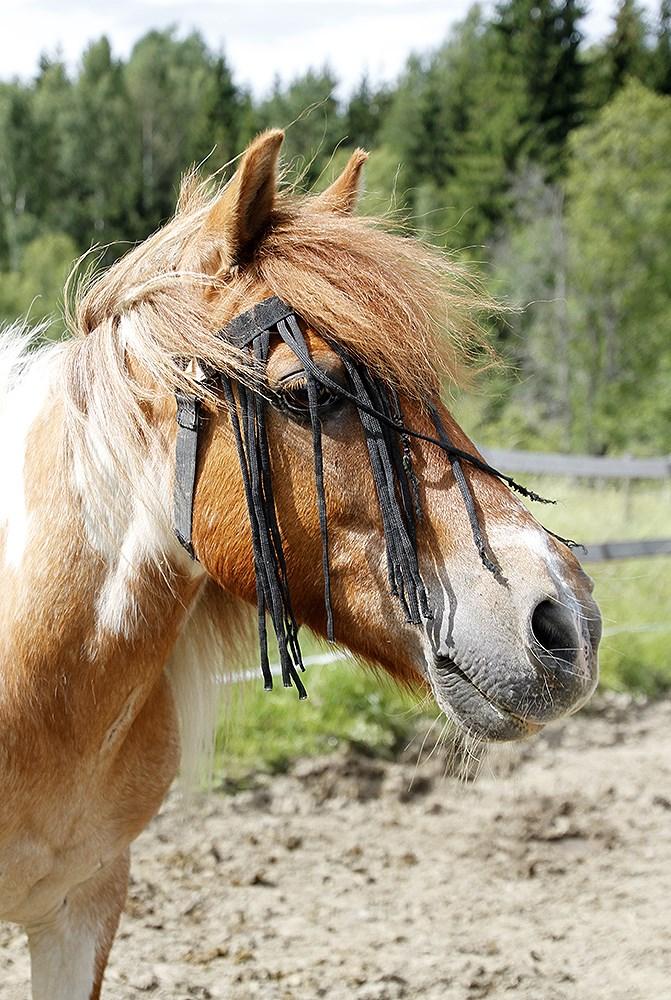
(532, 537)
(117, 610)
(25, 383)
(526, 558)
(142, 536)
(126, 501)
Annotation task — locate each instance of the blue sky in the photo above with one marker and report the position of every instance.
(261, 39)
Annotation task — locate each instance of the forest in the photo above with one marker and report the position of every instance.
(540, 160)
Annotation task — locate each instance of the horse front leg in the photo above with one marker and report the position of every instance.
(69, 951)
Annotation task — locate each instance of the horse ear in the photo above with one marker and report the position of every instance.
(239, 216)
(343, 194)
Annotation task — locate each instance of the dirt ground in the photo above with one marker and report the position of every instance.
(547, 878)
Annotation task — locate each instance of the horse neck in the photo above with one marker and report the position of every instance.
(96, 589)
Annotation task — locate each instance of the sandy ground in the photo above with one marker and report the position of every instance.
(549, 877)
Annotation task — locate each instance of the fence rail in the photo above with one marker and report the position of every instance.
(580, 466)
(604, 551)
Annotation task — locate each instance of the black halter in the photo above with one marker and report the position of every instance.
(388, 442)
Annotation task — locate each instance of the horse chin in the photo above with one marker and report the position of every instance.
(471, 709)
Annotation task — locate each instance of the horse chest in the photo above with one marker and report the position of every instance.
(65, 816)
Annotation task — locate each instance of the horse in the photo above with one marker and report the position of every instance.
(246, 416)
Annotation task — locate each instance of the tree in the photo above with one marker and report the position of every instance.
(531, 270)
(618, 222)
(99, 153)
(626, 53)
(364, 114)
(540, 46)
(16, 162)
(227, 110)
(183, 106)
(35, 288)
(453, 124)
(51, 179)
(589, 266)
(405, 127)
(662, 52)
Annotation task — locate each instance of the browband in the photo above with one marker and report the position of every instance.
(242, 330)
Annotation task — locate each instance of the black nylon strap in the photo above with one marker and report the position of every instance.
(242, 330)
(272, 591)
(466, 496)
(291, 334)
(186, 453)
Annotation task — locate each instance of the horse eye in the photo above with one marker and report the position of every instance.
(294, 398)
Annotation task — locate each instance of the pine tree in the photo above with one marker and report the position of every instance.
(407, 127)
(50, 177)
(227, 114)
(99, 152)
(308, 109)
(541, 43)
(18, 137)
(364, 114)
(452, 125)
(626, 53)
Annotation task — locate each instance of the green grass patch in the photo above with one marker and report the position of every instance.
(346, 704)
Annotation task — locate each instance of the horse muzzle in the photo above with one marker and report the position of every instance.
(501, 690)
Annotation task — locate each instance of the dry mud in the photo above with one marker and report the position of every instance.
(547, 878)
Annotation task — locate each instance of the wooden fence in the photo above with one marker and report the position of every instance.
(540, 463)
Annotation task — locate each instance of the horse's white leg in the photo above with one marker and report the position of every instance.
(68, 952)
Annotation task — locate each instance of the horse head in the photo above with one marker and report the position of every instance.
(434, 569)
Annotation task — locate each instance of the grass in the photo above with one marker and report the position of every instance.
(349, 705)
(346, 705)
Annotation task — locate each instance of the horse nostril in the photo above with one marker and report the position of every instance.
(553, 628)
